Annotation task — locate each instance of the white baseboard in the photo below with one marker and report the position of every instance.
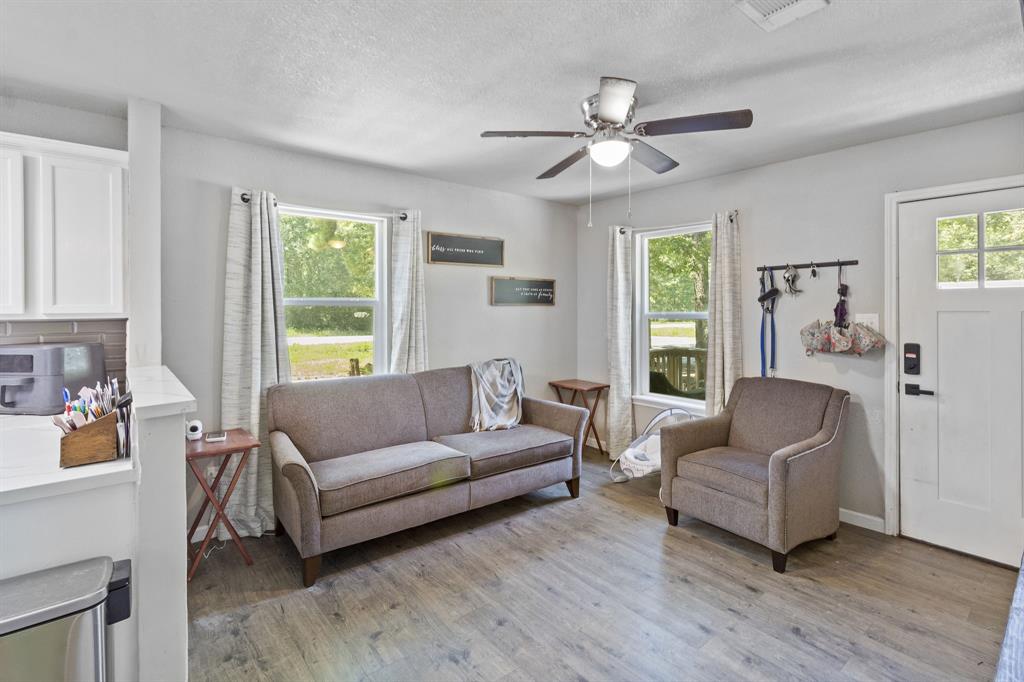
(875, 523)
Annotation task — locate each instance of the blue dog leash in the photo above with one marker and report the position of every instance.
(769, 295)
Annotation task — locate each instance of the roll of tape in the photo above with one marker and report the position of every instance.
(194, 429)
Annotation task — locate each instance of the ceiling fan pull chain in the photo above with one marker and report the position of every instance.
(629, 184)
(590, 203)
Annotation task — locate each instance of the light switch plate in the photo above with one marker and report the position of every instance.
(867, 319)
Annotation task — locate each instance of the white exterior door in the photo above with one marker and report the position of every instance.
(961, 299)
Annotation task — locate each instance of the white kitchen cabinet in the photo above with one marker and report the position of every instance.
(12, 233)
(81, 220)
(62, 215)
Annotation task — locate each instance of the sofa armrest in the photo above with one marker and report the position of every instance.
(684, 438)
(803, 482)
(568, 419)
(296, 496)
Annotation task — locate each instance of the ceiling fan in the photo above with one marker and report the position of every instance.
(609, 112)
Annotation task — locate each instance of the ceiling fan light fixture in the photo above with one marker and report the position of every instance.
(610, 152)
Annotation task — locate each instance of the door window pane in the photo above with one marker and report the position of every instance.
(329, 341)
(958, 270)
(1004, 268)
(957, 233)
(327, 258)
(1004, 228)
(678, 357)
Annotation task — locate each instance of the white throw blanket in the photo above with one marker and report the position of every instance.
(497, 394)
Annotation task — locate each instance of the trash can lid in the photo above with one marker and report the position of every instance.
(36, 598)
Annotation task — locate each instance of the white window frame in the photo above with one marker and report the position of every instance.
(641, 315)
(981, 251)
(379, 304)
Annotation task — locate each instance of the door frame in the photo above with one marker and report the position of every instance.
(891, 421)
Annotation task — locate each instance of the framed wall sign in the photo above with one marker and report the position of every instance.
(463, 249)
(522, 291)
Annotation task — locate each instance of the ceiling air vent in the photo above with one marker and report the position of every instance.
(773, 14)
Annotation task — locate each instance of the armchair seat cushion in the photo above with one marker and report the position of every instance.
(734, 471)
(495, 452)
(364, 478)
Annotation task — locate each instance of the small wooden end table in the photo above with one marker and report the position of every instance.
(238, 441)
(581, 388)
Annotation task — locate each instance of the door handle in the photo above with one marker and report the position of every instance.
(915, 389)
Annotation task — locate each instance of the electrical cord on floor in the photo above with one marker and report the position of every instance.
(214, 548)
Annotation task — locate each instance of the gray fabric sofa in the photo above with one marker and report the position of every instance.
(766, 468)
(358, 458)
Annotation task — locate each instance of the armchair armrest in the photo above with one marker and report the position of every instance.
(296, 496)
(568, 419)
(803, 482)
(682, 439)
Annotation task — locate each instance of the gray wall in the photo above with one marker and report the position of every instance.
(198, 172)
(820, 207)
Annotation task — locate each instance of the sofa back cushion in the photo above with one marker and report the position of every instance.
(769, 414)
(447, 400)
(337, 417)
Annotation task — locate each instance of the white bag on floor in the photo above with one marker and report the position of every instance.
(643, 456)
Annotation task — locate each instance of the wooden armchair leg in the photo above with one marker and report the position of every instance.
(673, 516)
(310, 570)
(278, 527)
(830, 537)
(573, 484)
(779, 561)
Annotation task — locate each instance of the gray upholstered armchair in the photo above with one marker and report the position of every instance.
(766, 468)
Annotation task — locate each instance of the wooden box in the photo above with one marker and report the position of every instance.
(95, 442)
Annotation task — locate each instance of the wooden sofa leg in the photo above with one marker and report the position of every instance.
(278, 527)
(573, 484)
(673, 516)
(779, 561)
(310, 570)
(830, 537)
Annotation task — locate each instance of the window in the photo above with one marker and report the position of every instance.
(671, 330)
(980, 249)
(334, 292)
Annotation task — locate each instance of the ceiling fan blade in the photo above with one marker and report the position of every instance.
(563, 164)
(616, 96)
(722, 120)
(652, 158)
(530, 133)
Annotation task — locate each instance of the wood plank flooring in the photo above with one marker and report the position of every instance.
(544, 587)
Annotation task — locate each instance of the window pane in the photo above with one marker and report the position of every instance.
(1004, 268)
(329, 341)
(958, 271)
(678, 268)
(326, 258)
(957, 232)
(678, 357)
(1004, 228)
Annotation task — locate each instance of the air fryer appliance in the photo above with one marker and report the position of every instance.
(33, 375)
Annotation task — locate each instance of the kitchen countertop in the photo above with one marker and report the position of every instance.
(30, 445)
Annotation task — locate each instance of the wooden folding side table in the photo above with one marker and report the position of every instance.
(582, 388)
(238, 441)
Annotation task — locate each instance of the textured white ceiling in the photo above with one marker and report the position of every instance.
(410, 85)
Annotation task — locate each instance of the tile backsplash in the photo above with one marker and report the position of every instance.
(111, 333)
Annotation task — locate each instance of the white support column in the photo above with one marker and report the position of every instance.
(143, 240)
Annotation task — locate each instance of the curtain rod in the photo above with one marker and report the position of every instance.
(812, 264)
(245, 200)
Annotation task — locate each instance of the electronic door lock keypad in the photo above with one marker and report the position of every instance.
(911, 358)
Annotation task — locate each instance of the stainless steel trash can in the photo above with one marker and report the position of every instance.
(53, 623)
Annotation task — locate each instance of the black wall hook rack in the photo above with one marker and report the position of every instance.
(806, 266)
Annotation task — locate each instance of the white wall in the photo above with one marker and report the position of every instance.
(820, 207)
(62, 123)
(540, 240)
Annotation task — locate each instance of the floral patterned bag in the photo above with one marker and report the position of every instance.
(826, 337)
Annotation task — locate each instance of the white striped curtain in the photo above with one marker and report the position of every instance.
(255, 350)
(620, 339)
(725, 319)
(408, 295)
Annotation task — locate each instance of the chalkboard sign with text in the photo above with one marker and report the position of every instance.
(517, 291)
(462, 249)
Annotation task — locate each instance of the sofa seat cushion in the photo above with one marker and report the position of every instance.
(364, 478)
(734, 471)
(495, 452)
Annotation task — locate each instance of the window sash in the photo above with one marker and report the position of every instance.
(643, 314)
